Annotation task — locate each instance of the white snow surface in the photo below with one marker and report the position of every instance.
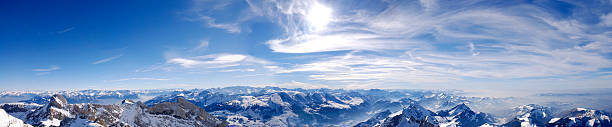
(332, 104)
(51, 122)
(7, 120)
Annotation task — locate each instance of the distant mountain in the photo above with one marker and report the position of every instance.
(530, 115)
(270, 106)
(582, 117)
(273, 106)
(376, 120)
(79, 96)
(412, 116)
(415, 115)
(59, 113)
(462, 116)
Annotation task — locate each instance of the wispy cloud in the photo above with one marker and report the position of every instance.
(229, 27)
(45, 71)
(107, 59)
(201, 10)
(65, 30)
(238, 70)
(435, 40)
(203, 45)
(294, 84)
(51, 68)
(130, 79)
(216, 61)
(472, 49)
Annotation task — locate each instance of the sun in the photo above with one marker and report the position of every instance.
(319, 16)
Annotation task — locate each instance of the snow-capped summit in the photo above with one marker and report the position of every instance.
(582, 117)
(530, 115)
(412, 116)
(455, 110)
(7, 120)
(462, 115)
(415, 115)
(58, 101)
(51, 114)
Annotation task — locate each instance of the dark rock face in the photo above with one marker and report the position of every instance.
(183, 109)
(58, 101)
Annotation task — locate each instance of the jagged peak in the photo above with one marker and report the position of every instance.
(586, 112)
(417, 111)
(455, 110)
(127, 101)
(58, 100)
(461, 106)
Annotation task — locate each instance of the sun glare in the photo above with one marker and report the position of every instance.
(319, 16)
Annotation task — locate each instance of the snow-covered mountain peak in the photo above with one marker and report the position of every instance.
(7, 120)
(455, 110)
(583, 117)
(417, 111)
(127, 101)
(58, 101)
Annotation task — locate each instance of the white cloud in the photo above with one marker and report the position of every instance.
(401, 25)
(45, 71)
(432, 67)
(606, 19)
(503, 41)
(352, 67)
(238, 70)
(472, 49)
(429, 4)
(129, 79)
(295, 84)
(217, 61)
(202, 10)
(65, 30)
(203, 45)
(229, 27)
(107, 59)
(51, 68)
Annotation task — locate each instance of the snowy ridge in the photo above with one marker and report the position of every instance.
(582, 117)
(273, 106)
(416, 115)
(7, 120)
(135, 114)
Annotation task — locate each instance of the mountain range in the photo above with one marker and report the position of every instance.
(273, 106)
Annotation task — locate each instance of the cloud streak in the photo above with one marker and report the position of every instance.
(51, 68)
(107, 59)
(130, 79)
(45, 71)
(65, 30)
(216, 61)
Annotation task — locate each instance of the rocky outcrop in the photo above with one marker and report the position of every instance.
(184, 109)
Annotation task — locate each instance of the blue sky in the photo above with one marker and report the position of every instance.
(431, 44)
